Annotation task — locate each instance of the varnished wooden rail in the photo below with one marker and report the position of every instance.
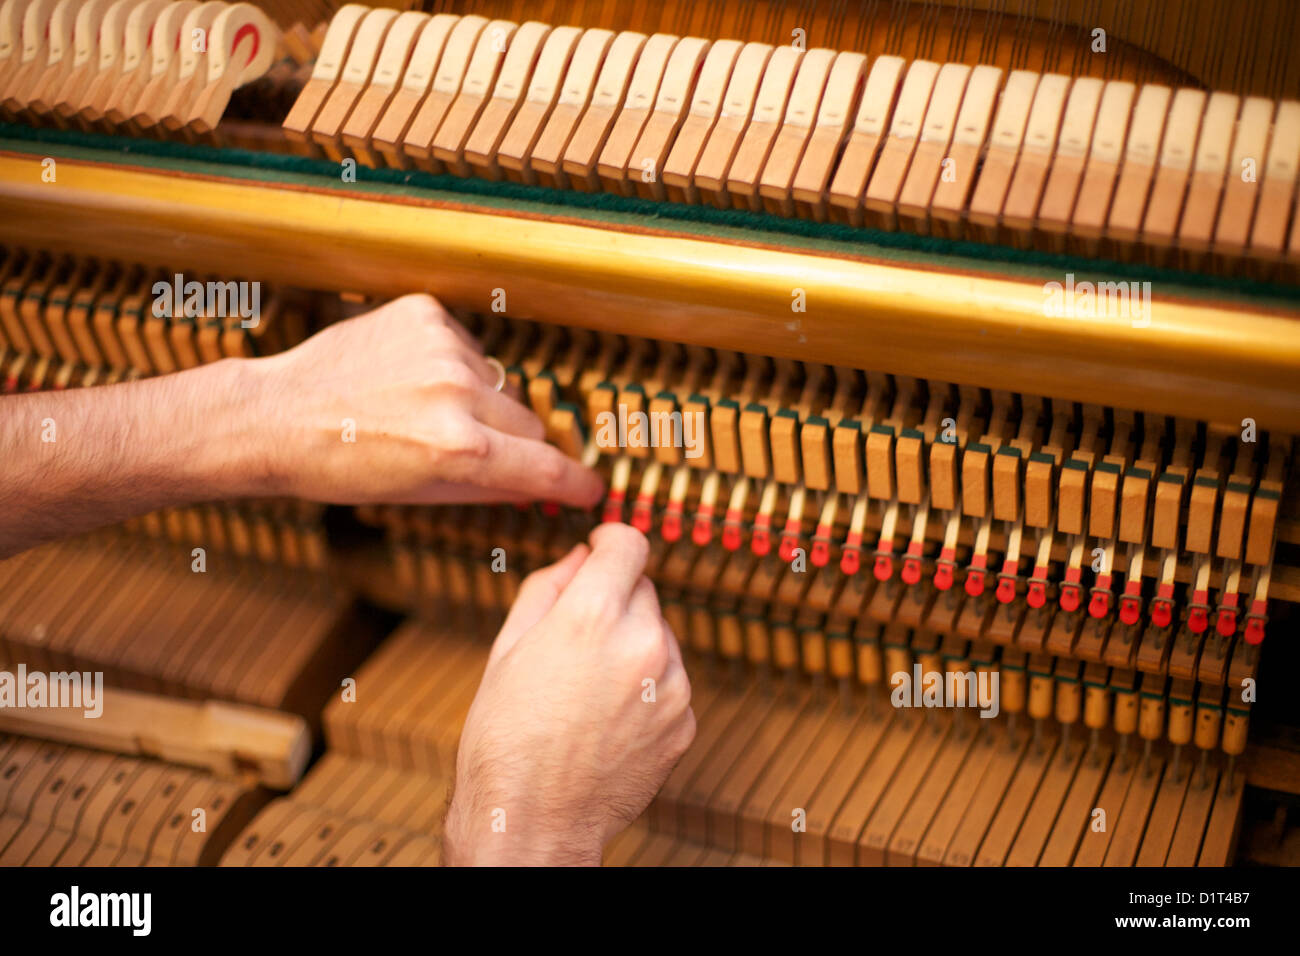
(1220, 361)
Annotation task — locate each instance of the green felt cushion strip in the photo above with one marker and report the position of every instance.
(902, 248)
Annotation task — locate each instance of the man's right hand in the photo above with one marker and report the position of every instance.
(398, 406)
(583, 711)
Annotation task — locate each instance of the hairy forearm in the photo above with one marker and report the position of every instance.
(483, 832)
(82, 459)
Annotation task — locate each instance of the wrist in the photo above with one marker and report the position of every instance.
(476, 834)
(231, 448)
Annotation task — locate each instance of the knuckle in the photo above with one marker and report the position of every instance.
(463, 438)
(671, 634)
(646, 648)
(450, 375)
(551, 468)
(420, 305)
(415, 311)
(683, 734)
(442, 336)
(540, 584)
(679, 687)
(599, 612)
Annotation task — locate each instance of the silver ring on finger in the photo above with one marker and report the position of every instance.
(501, 372)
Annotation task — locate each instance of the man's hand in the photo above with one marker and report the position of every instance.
(405, 381)
(583, 711)
(429, 426)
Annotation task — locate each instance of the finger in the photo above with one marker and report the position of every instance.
(511, 389)
(613, 569)
(537, 595)
(516, 465)
(468, 349)
(447, 319)
(460, 493)
(481, 367)
(643, 603)
(500, 411)
(674, 646)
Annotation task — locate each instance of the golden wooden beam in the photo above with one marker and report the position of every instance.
(1210, 360)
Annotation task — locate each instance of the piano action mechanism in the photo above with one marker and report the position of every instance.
(966, 334)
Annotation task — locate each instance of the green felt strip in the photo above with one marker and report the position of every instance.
(902, 248)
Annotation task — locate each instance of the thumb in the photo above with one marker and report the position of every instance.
(537, 595)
